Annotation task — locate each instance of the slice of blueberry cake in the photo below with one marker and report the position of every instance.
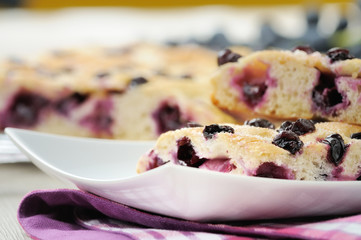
(164, 106)
(134, 92)
(290, 84)
(299, 150)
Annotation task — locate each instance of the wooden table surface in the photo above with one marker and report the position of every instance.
(16, 180)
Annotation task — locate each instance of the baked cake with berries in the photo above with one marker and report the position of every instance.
(132, 92)
(290, 84)
(299, 150)
(143, 59)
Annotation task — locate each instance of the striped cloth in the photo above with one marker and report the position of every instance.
(9, 153)
(74, 214)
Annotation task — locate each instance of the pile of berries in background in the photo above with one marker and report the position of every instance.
(347, 34)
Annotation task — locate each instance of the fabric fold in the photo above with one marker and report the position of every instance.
(74, 214)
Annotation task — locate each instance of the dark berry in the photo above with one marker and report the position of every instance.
(24, 110)
(253, 93)
(186, 154)
(100, 119)
(260, 122)
(325, 94)
(303, 126)
(185, 149)
(193, 124)
(337, 148)
(359, 178)
(356, 135)
(300, 127)
(137, 81)
(318, 119)
(64, 105)
(226, 56)
(155, 161)
(169, 117)
(339, 54)
(271, 170)
(289, 141)
(252, 83)
(306, 49)
(286, 125)
(211, 130)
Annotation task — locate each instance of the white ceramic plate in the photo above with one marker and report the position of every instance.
(107, 168)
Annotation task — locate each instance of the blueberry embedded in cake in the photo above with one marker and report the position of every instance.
(300, 126)
(299, 150)
(304, 48)
(339, 54)
(24, 109)
(226, 56)
(253, 83)
(327, 98)
(100, 119)
(260, 122)
(210, 131)
(294, 84)
(289, 141)
(69, 103)
(337, 148)
(168, 116)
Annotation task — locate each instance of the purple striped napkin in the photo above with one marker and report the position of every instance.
(74, 214)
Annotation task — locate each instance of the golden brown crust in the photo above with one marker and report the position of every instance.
(97, 69)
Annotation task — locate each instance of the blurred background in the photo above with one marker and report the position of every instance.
(30, 26)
